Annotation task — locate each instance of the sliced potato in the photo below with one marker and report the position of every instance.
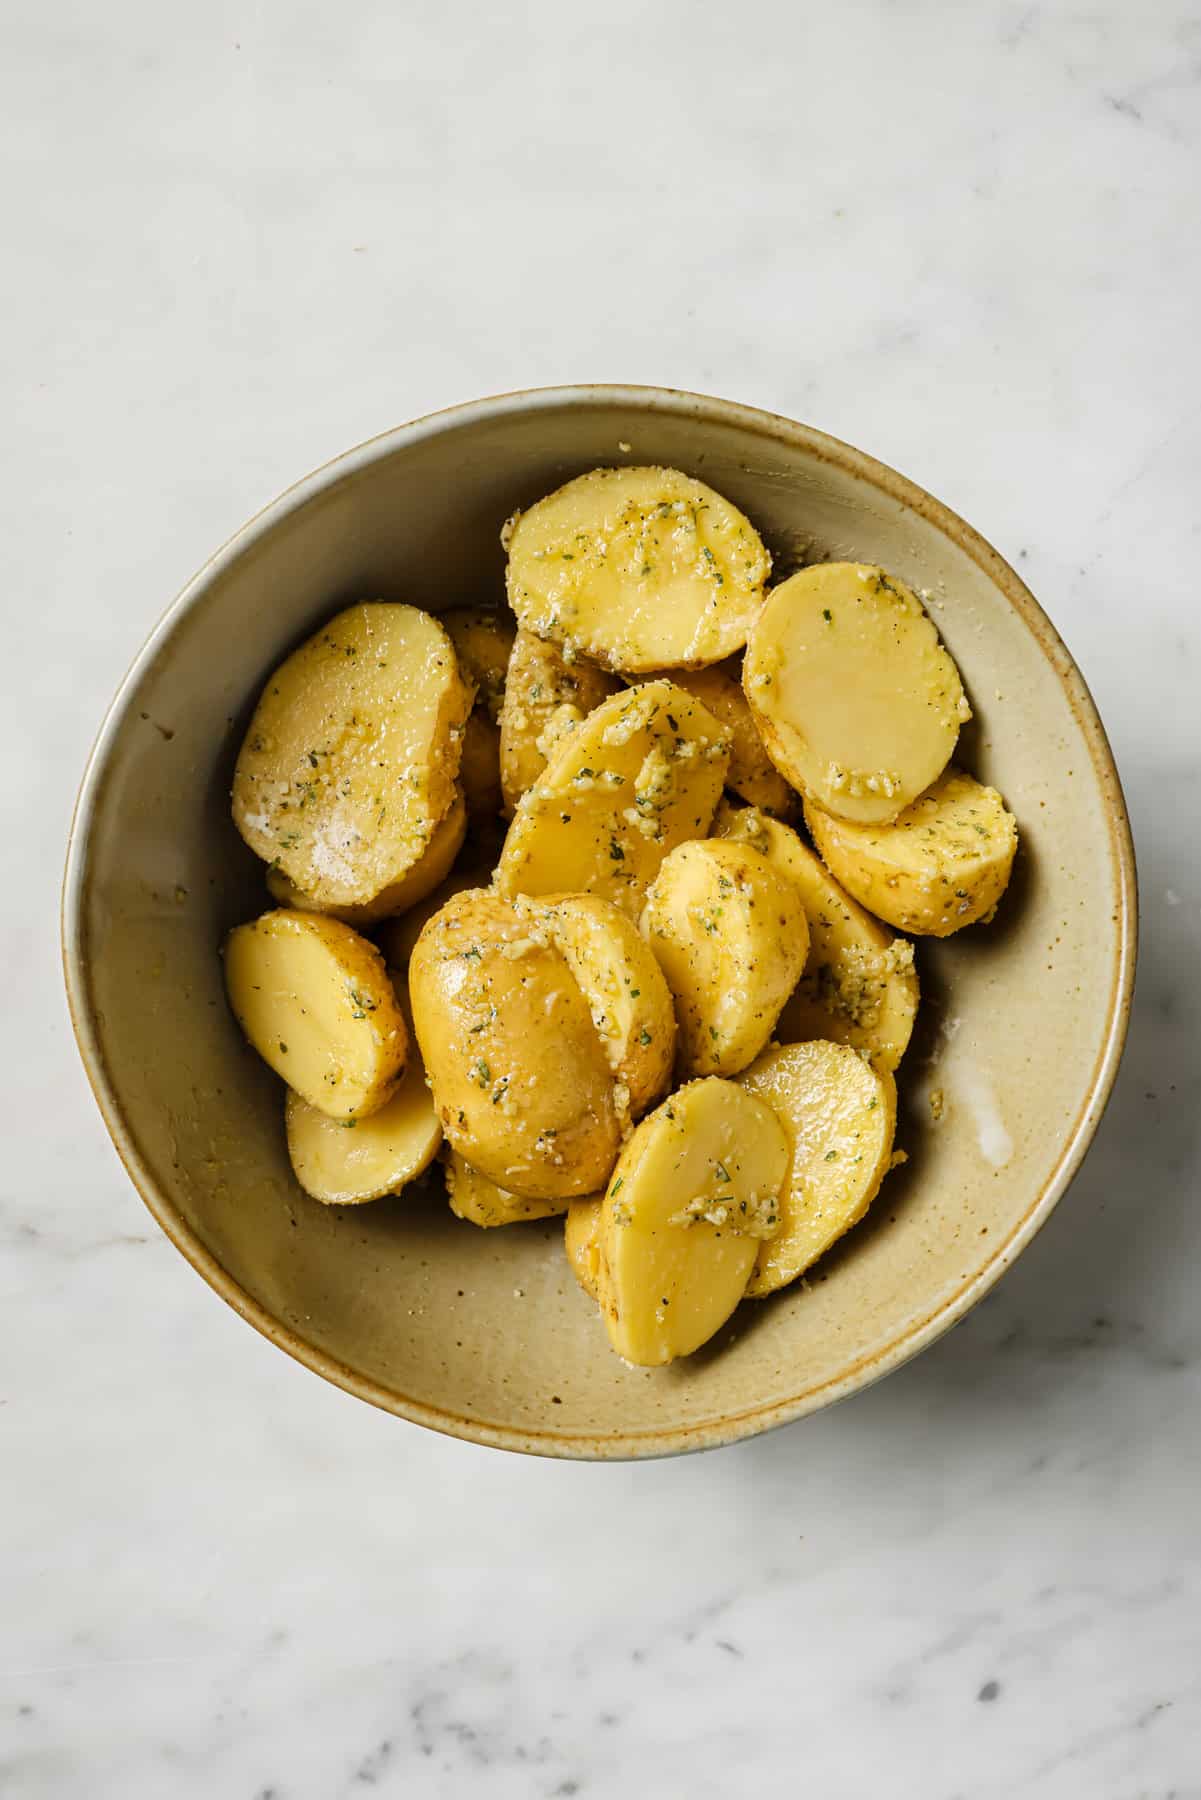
(729, 932)
(350, 760)
(430, 869)
(519, 1076)
(581, 1236)
(640, 568)
(483, 642)
(479, 771)
(840, 1116)
(942, 865)
(481, 1202)
(860, 985)
(694, 1195)
(315, 1000)
(544, 695)
(752, 774)
(856, 700)
(627, 995)
(641, 774)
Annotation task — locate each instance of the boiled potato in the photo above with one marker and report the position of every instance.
(479, 1201)
(729, 932)
(942, 865)
(544, 696)
(641, 774)
(350, 760)
(855, 698)
(624, 986)
(752, 774)
(474, 870)
(693, 1197)
(639, 568)
(581, 1237)
(839, 1116)
(479, 771)
(519, 1076)
(860, 985)
(483, 643)
(427, 872)
(314, 999)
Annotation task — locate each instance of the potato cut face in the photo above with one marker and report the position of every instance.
(752, 775)
(479, 1201)
(694, 1195)
(639, 568)
(316, 1002)
(581, 1238)
(483, 642)
(519, 1077)
(856, 700)
(479, 771)
(860, 985)
(641, 774)
(351, 757)
(544, 695)
(942, 865)
(730, 934)
(431, 868)
(839, 1116)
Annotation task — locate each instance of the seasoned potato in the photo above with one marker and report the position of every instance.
(729, 932)
(474, 870)
(581, 1237)
(479, 771)
(627, 995)
(427, 872)
(642, 774)
(483, 642)
(350, 760)
(859, 986)
(640, 568)
(518, 1073)
(942, 865)
(752, 774)
(480, 1201)
(839, 1116)
(694, 1195)
(544, 696)
(856, 700)
(314, 999)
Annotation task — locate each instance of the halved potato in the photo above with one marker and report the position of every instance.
(479, 771)
(351, 757)
(942, 865)
(315, 1000)
(481, 1202)
(519, 1076)
(729, 932)
(431, 868)
(544, 695)
(474, 870)
(752, 774)
(483, 642)
(859, 986)
(641, 774)
(840, 1116)
(640, 568)
(855, 698)
(693, 1197)
(581, 1237)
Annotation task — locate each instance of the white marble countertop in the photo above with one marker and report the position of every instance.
(241, 238)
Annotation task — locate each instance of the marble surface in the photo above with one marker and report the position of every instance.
(243, 237)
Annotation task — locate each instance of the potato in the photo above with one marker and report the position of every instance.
(479, 771)
(729, 932)
(752, 774)
(860, 986)
(839, 1115)
(544, 694)
(479, 1201)
(856, 700)
(424, 876)
(640, 568)
(942, 865)
(483, 643)
(350, 760)
(581, 1237)
(642, 774)
(314, 999)
(519, 1076)
(624, 986)
(694, 1195)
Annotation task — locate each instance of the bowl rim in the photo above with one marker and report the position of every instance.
(911, 1339)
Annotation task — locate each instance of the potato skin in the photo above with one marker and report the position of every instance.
(477, 1200)
(483, 642)
(518, 1073)
(581, 1240)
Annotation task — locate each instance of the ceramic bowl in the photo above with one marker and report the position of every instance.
(485, 1334)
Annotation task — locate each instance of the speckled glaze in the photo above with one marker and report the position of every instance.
(485, 1334)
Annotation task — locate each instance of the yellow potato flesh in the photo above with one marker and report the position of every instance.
(639, 568)
(315, 1000)
(543, 693)
(479, 1201)
(483, 642)
(839, 1116)
(351, 756)
(752, 775)
(942, 865)
(693, 1196)
(431, 868)
(344, 1161)
(856, 700)
(729, 932)
(581, 1238)
(640, 775)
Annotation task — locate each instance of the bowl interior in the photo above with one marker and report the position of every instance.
(486, 1333)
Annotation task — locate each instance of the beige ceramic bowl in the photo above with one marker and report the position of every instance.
(485, 1334)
